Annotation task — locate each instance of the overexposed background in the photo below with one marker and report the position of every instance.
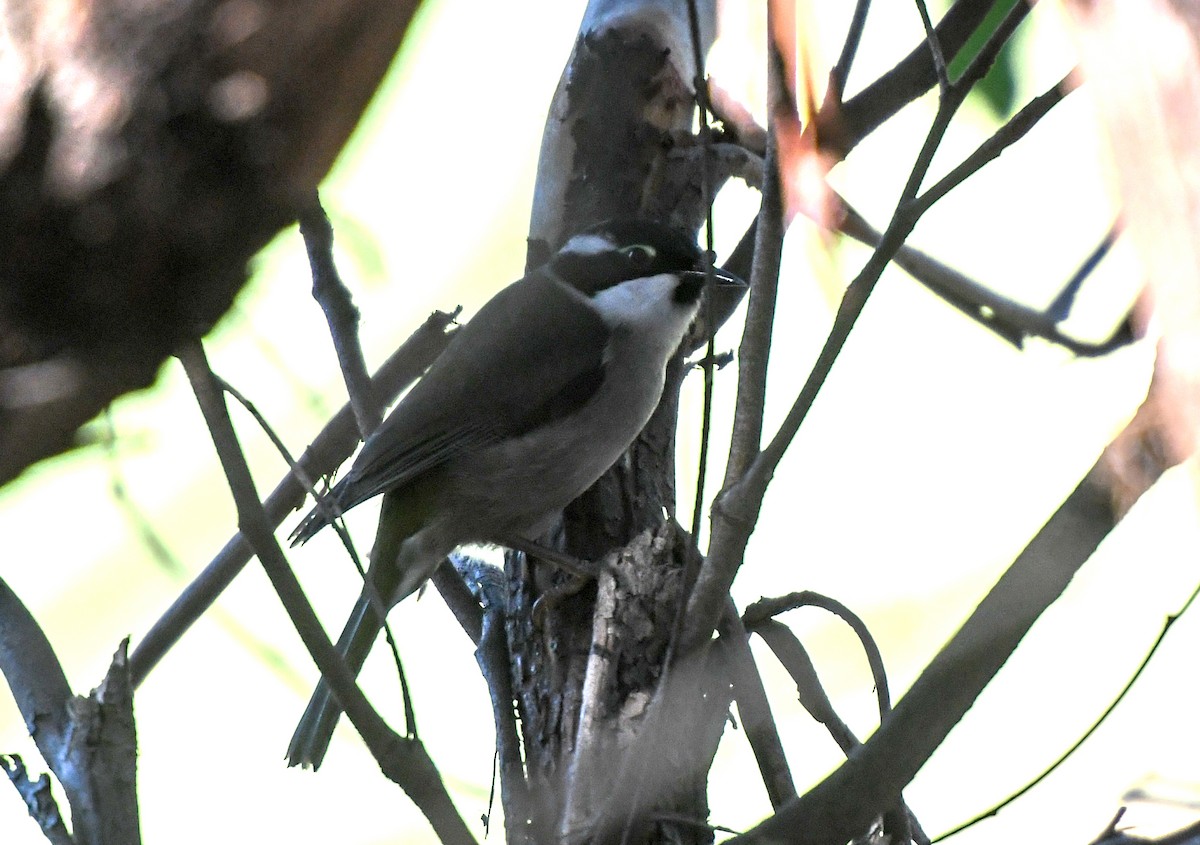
(931, 457)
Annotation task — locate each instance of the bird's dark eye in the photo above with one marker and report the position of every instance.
(640, 255)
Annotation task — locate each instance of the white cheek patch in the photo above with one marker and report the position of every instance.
(643, 301)
(588, 244)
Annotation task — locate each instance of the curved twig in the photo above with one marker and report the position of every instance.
(765, 609)
(991, 811)
(843, 805)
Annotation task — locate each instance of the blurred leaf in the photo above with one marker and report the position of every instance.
(999, 87)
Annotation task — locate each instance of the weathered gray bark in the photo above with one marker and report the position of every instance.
(588, 658)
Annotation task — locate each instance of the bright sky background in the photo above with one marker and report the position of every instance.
(931, 457)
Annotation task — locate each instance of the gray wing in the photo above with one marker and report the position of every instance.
(533, 354)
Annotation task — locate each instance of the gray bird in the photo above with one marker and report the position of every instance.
(528, 405)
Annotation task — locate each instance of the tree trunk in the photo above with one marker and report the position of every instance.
(588, 657)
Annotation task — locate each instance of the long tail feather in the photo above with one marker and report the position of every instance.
(315, 730)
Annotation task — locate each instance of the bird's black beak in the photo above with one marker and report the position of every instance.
(727, 293)
(692, 283)
(723, 278)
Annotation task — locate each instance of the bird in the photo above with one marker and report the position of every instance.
(530, 403)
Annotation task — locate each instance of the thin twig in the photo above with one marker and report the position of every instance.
(738, 506)
(341, 314)
(935, 48)
(979, 66)
(706, 600)
(844, 126)
(254, 525)
(764, 609)
(755, 350)
(700, 87)
(369, 589)
(898, 821)
(1189, 835)
(162, 554)
(328, 450)
(991, 811)
(1012, 131)
(755, 710)
(698, 824)
(840, 72)
(1009, 320)
(843, 805)
(790, 652)
(1060, 308)
(903, 221)
(402, 759)
(493, 658)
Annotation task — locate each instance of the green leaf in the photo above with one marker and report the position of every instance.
(999, 87)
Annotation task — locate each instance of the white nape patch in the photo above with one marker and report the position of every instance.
(645, 302)
(588, 243)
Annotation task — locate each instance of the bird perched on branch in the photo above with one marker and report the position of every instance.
(530, 403)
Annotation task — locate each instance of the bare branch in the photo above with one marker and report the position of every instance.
(755, 710)
(328, 450)
(842, 127)
(737, 508)
(765, 609)
(898, 821)
(334, 298)
(706, 602)
(982, 62)
(89, 743)
(840, 72)
(789, 651)
(103, 749)
(492, 656)
(843, 805)
(403, 760)
(1012, 131)
(1061, 307)
(855, 298)
(935, 49)
(369, 588)
(456, 595)
(991, 811)
(1008, 319)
